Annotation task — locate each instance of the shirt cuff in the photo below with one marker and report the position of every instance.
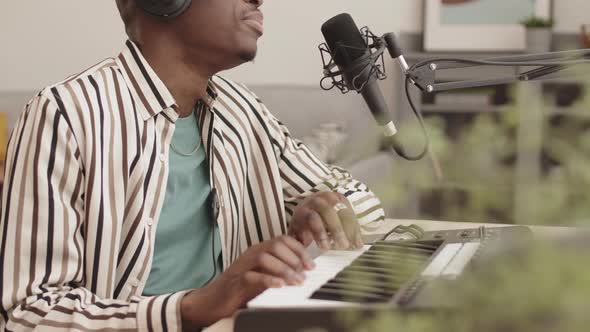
(160, 313)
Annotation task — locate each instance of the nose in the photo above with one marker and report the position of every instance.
(256, 3)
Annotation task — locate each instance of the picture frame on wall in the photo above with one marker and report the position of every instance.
(479, 25)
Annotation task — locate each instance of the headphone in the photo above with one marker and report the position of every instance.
(164, 8)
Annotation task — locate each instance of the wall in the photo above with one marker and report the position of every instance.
(44, 41)
(570, 14)
(288, 51)
(65, 39)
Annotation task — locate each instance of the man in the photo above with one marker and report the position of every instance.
(153, 138)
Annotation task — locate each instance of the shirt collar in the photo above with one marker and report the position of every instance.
(147, 88)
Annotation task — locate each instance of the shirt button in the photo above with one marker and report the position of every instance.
(134, 282)
(150, 221)
(162, 157)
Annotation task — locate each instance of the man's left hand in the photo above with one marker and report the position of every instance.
(326, 217)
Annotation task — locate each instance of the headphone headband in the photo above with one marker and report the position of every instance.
(164, 8)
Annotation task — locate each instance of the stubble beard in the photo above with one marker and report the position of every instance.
(247, 56)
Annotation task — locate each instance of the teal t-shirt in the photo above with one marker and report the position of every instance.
(183, 257)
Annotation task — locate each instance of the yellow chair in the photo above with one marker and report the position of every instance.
(3, 143)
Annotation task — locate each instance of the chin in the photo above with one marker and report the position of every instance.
(248, 55)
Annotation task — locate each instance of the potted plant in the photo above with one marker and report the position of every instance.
(538, 34)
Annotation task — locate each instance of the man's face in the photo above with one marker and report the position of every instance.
(228, 28)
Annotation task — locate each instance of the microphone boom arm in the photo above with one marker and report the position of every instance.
(364, 70)
(423, 74)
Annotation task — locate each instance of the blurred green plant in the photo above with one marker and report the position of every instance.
(479, 162)
(543, 289)
(537, 22)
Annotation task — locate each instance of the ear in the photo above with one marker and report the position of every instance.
(164, 9)
(125, 6)
(128, 12)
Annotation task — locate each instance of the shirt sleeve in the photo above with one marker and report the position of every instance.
(303, 174)
(42, 238)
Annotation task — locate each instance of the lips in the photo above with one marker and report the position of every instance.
(255, 20)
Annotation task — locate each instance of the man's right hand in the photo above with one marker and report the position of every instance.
(270, 264)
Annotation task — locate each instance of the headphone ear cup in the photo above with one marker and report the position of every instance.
(164, 8)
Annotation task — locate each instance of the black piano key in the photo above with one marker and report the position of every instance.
(344, 295)
(390, 260)
(385, 271)
(365, 289)
(366, 277)
(409, 244)
(406, 250)
(377, 274)
(380, 252)
(373, 283)
(395, 272)
(390, 270)
(393, 262)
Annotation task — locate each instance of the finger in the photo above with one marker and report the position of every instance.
(347, 217)
(269, 264)
(359, 240)
(332, 222)
(298, 231)
(351, 227)
(283, 251)
(343, 199)
(318, 229)
(307, 220)
(350, 223)
(256, 283)
(263, 281)
(305, 237)
(300, 251)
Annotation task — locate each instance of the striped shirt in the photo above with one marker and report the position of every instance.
(85, 179)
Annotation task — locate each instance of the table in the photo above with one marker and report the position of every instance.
(227, 324)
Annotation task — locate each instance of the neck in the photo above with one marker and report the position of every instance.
(185, 79)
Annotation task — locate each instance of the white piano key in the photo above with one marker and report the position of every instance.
(457, 265)
(442, 259)
(327, 266)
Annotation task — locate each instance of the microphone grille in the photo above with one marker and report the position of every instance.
(344, 39)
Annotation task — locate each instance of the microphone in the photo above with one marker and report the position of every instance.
(353, 57)
(214, 205)
(395, 51)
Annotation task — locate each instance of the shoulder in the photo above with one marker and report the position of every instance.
(81, 86)
(72, 99)
(96, 72)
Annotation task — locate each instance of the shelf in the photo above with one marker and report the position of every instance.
(569, 111)
(450, 109)
(458, 108)
(418, 56)
(580, 78)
